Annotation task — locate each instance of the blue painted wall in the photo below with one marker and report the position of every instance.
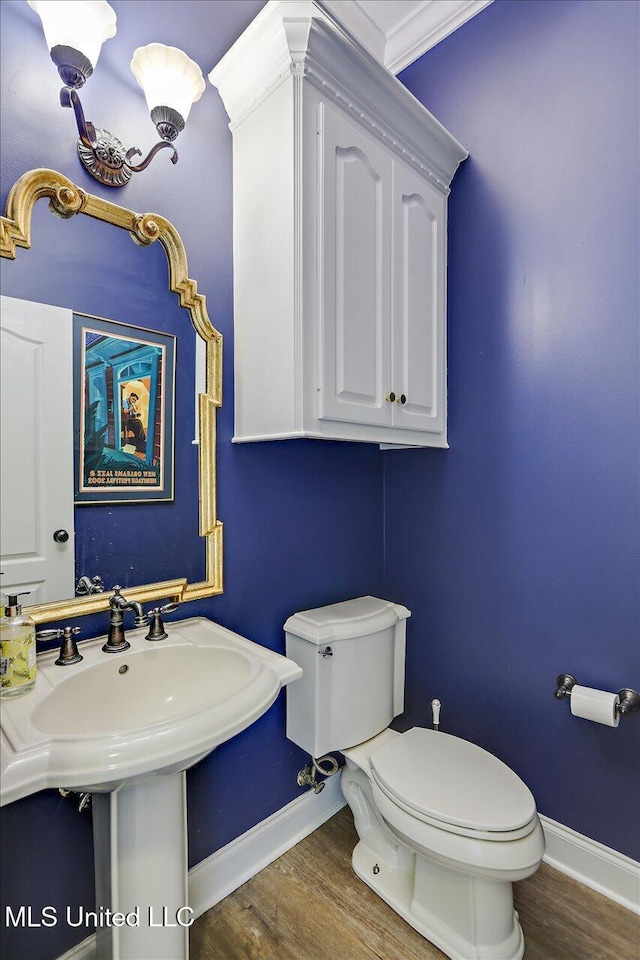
(517, 549)
(303, 520)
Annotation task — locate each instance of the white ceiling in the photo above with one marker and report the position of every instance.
(397, 32)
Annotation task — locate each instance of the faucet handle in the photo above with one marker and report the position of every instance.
(68, 649)
(116, 599)
(169, 607)
(49, 634)
(156, 629)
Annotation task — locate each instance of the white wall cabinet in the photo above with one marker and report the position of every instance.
(341, 181)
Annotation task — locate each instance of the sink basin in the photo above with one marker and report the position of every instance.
(148, 686)
(157, 707)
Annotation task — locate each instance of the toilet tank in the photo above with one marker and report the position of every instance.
(352, 655)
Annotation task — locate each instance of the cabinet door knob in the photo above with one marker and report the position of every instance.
(401, 398)
(60, 536)
(391, 397)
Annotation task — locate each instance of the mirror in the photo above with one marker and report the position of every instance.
(147, 520)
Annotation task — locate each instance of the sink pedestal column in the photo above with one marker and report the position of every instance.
(140, 851)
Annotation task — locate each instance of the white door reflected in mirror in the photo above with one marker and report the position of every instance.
(36, 481)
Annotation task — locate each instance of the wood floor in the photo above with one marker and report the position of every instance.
(309, 905)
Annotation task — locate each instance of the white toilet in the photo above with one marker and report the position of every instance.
(444, 826)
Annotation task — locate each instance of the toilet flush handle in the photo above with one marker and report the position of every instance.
(435, 708)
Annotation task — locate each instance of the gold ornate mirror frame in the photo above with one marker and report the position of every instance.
(66, 200)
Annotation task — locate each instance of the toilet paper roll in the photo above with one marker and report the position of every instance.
(596, 705)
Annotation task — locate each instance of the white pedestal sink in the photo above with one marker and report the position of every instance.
(125, 727)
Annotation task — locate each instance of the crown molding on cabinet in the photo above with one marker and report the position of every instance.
(295, 37)
(394, 45)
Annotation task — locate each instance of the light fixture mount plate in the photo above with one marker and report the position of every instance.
(107, 160)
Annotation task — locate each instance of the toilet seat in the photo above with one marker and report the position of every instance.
(453, 785)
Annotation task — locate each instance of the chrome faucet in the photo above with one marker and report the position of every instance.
(117, 605)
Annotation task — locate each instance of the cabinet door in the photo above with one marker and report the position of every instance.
(353, 281)
(419, 320)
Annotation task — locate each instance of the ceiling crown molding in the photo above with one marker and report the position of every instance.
(430, 23)
(402, 42)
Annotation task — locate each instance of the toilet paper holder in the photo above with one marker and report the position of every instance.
(629, 699)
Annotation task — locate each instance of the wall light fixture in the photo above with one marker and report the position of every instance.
(75, 31)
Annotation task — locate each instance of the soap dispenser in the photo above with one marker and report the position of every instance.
(18, 655)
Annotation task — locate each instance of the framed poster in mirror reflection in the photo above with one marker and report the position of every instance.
(123, 401)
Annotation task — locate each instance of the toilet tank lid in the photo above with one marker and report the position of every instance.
(345, 620)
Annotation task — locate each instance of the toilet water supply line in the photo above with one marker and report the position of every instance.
(307, 776)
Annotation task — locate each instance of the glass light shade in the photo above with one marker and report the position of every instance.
(168, 77)
(81, 24)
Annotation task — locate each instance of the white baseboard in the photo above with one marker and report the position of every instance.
(593, 864)
(227, 869)
(213, 879)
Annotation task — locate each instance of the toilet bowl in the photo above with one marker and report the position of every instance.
(449, 874)
(444, 827)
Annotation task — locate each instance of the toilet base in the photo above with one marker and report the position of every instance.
(466, 915)
(460, 914)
